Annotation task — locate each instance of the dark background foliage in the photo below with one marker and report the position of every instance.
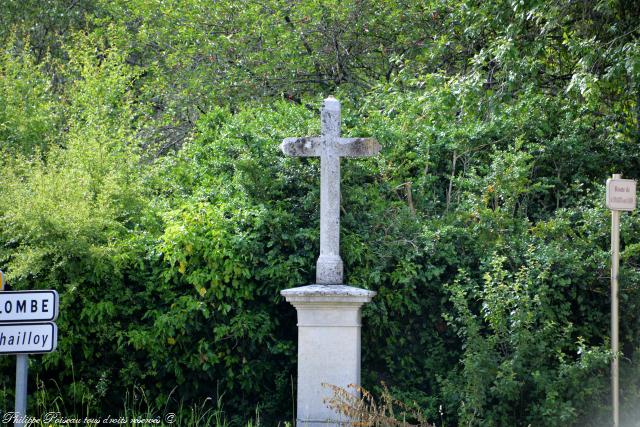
(141, 178)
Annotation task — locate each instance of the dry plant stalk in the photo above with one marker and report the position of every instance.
(362, 409)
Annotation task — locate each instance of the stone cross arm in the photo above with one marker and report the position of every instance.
(312, 146)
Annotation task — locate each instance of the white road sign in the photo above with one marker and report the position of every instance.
(28, 338)
(28, 306)
(621, 194)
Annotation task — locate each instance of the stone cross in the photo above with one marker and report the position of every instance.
(329, 146)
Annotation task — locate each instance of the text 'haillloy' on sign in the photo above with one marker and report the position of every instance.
(28, 306)
(16, 338)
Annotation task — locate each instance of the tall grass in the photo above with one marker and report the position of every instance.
(51, 410)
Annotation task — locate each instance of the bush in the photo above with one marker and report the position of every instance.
(480, 225)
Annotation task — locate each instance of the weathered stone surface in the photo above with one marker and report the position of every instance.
(329, 324)
(357, 147)
(327, 293)
(306, 146)
(328, 312)
(330, 147)
(311, 146)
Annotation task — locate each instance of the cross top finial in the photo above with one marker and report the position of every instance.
(330, 147)
(330, 117)
(331, 103)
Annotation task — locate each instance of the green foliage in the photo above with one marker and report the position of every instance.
(79, 220)
(28, 118)
(141, 178)
(215, 323)
(519, 348)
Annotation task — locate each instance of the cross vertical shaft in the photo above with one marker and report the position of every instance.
(329, 268)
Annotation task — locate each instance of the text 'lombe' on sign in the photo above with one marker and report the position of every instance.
(28, 306)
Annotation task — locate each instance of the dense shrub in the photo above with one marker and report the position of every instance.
(78, 218)
(141, 178)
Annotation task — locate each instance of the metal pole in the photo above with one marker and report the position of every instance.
(615, 264)
(22, 371)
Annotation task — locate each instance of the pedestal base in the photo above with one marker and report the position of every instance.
(328, 346)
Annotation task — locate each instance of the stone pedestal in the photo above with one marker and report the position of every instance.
(328, 346)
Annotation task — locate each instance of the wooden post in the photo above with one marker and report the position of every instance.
(615, 265)
(621, 196)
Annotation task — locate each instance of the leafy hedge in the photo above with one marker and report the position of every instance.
(481, 224)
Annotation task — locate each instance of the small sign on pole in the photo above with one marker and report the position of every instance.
(621, 196)
(28, 338)
(28, 306)
(26, 327)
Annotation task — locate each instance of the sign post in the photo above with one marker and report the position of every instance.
(621, 196)
(22, 374)
(26, 326)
